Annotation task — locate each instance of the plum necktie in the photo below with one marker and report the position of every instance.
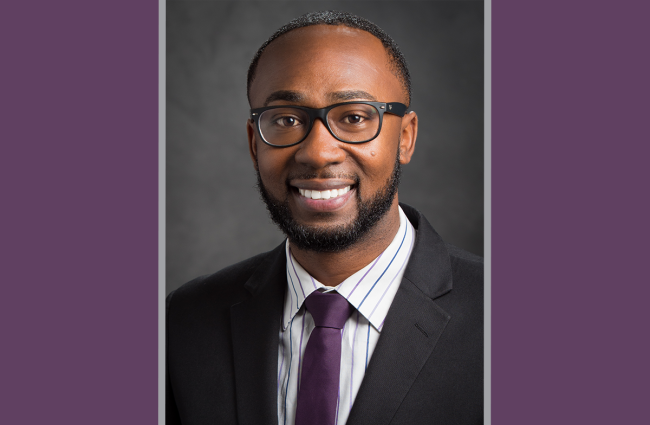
(319, 382)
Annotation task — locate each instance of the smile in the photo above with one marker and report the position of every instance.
(324, 194)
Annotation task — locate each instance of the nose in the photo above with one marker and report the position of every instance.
(320, 148)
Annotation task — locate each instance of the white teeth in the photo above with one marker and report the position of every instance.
(324, 194)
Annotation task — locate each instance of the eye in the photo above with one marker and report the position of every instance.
(287, 121)
(353, 119)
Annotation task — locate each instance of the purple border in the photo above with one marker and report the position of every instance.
(79, 169)
(78, 162)
(570, 149)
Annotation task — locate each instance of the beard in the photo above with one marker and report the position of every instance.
(335, 238)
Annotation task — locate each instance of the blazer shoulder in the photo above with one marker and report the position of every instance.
(464, 261)
(466, 296)
(223, 286)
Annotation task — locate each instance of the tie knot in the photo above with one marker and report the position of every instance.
(329, 310)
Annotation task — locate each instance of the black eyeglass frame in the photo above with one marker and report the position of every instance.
(394, 108)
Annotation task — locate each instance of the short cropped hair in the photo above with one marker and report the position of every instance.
(335, 17)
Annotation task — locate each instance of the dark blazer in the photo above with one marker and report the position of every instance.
(427, 368)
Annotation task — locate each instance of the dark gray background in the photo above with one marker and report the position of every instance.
(214, 215)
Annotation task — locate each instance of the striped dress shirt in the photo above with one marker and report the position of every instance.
(371, 291)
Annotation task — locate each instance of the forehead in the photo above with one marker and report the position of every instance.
(320, 60)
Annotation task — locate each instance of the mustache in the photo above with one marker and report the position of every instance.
(326, 174)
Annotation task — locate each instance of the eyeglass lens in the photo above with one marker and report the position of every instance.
(352, 122)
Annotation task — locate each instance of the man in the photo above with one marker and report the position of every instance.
(257, 342)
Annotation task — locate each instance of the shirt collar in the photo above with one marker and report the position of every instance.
(370, 290)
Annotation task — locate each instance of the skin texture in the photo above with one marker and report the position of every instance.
(315, 67)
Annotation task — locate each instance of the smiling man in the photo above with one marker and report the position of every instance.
(363, 315)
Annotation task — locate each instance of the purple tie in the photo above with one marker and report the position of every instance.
(319, 382)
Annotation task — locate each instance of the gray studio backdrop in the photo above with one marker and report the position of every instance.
(214, 215)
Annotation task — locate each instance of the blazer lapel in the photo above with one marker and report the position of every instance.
(255, 333)
(411, 330)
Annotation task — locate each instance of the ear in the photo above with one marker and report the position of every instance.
(409, 134)
(252, 141)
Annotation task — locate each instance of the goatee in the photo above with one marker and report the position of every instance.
(340, 237)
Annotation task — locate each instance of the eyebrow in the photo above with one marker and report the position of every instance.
(342, 96)
(286, 95)
(339, 96)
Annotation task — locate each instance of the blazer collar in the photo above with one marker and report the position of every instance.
(255, 324)
(429, 268)
(412, 328)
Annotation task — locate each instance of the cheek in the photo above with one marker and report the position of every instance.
(378, 156)
(271, 164)
(383, 170)
(376, 169)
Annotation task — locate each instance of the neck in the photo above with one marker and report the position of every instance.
(332, 268)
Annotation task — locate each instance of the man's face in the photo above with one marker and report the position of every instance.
(315, 67)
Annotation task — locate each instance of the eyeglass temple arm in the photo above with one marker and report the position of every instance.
(396, 108)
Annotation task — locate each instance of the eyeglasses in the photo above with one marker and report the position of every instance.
(349, 122)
